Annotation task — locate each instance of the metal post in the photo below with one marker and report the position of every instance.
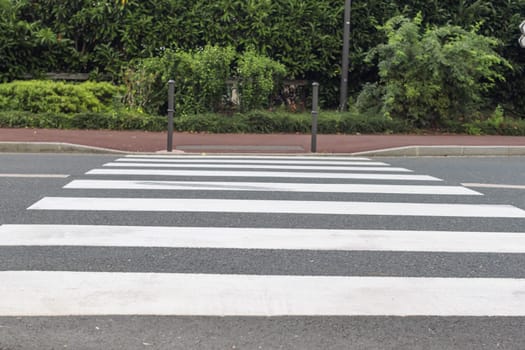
(315, 112)
(343, 99)
(522, 37)
(171, 92)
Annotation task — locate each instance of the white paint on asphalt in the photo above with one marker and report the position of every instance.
(249, 161)
(262, 238)
(38, 176)
(252, 166)
(266, 174)
(277, 207)
(269, 186)
(510, 187)
(61, 293)
(249, 158)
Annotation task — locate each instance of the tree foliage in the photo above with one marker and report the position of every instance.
(433, 74)
(102, 37)
(25, 46)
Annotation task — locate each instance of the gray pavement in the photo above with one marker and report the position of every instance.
(285, 332)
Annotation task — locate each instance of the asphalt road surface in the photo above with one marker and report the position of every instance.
(210, 252)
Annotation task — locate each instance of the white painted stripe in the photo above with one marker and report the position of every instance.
(60, 293)
(211, 157)
(272, 174)
(262, 238)
(275, 206)
(513, 187)
(249, 161)
(42, 176)
(269, 186)
(252, 166)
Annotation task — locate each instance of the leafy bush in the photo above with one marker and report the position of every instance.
(108, 94)
(41, 96)
(510, 127)
(495, 124)
(370, 99)
(200, 80)
(145, 84)
(258, 76)
(431, 75)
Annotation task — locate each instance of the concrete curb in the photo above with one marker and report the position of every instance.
(443, 151)
(52, 147)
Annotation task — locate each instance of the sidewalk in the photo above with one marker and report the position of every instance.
(12, 140)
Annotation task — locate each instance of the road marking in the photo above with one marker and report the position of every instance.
(269, 174)
(269, 186)
(277, 207)
(251, 157)
(60, 293)
(240, 148)
(262, 238)
(248, 161)
(252, 166)
(41, 176)
(515, 187)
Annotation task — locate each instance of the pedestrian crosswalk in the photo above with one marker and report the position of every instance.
(266, 186)
(257, 167)
(277, 206)
(262, 238)
(263, 174)
(291, 187)
(89, 293)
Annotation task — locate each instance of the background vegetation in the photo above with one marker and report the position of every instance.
(446, 64)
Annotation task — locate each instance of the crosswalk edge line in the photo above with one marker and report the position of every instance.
(243, 206)
(64, 293)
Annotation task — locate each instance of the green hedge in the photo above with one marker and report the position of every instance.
(510, 127)
(252, 122)
(263, 122)
(87, 120)
(44, 96)
(259, 122)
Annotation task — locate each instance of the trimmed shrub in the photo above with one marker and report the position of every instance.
(43, 96)
(260, 122)
(252, 122)
(510, 127)
(108, 94)
(123, 120)
(23, 119)
(214, 123)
